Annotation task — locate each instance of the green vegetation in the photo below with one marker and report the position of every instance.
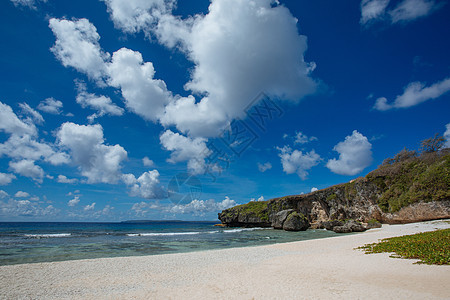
(331, 197)
(409, 177)
(373, 222)
(429, 247)
(258, 208)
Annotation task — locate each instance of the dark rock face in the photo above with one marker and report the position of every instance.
(280, 217)
(296, 222)
(341, 229)
(356, 200)
(329, 225)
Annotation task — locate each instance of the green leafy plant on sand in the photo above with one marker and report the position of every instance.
(429, 247)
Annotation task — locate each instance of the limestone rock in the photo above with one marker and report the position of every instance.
(342, 229)
(280, 217)
(329, 225)
(295, 222)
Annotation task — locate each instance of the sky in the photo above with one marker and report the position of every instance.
(115, 110)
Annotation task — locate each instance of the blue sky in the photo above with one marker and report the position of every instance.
(162, 109)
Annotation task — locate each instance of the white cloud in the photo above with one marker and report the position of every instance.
(22, 194)
(89, 207)
(372, 10)
(447, 135)
(250, 47)
(314, 189)
(405, 11)
(74, 201)
(22, 145)
(135, 15)
(410, 10)
(200, 207)
(183, 148)
(301, 138)
(294, 161)
(264, 167)
(27, 168)
(257, 200)
(28, 3)
(25, 147)
(77, 46)
(26, 208)
(144, 95)
(102, 104)
(354, 155)
(10, 123)
(3, 194)
(147, 162)
(34, 116)
(64, 179)
(414, 94)
(97, 161)
(146, 186)
(6, 178)
(51, 106)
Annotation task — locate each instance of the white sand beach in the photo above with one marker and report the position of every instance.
(315, 269)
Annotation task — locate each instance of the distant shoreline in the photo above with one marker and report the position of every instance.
(312, 269)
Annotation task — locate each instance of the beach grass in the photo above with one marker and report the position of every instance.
(428, 247)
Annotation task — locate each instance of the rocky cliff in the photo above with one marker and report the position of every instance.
(405, 190)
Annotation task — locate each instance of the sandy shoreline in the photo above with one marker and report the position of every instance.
(314, 269)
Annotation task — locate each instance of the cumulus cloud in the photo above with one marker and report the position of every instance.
(34, 116)
(301, 138)
(64, 179)
(146, 186)
(22, 145)
(97, 161)
(147, 162)
(89, 207)
(22, 194)
(77, 46)
(405, 11)
(27, 168)
(193, 150)
(135, 15)
(74, 201)
(102, 104)
(314, 189)
(10, 123)
(26, 147)
(257, 200)
(251, 47)
(6, 178)
(51, 106)
(200, 207)
(447, 135)
(142, 208)
(354, 155)
(143, 94)
(264, 167)
(295, 161)
(414, 94)
(26, 208)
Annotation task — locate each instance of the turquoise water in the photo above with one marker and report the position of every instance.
(46, 242)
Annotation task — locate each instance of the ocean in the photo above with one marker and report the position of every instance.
(48, 242)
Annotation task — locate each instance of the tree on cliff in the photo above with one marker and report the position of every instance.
(432, 144)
